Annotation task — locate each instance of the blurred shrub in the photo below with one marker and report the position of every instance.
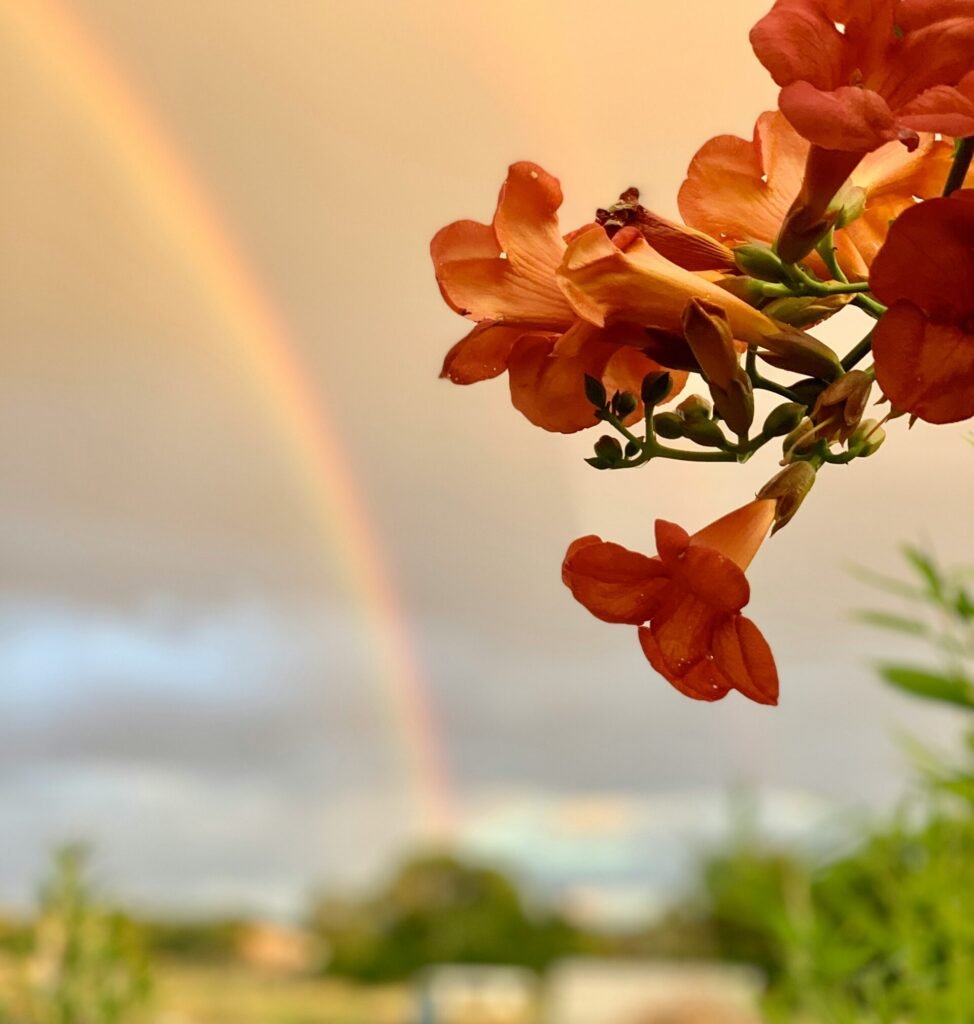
(884, 935)
(85, 963)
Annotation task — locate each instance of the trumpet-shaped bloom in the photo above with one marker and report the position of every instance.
(625, 280)
(686, 601)
(855, 74)
(924, 344)
(503, 275)
(740, 191)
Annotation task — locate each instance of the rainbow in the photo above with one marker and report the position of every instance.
(152, 164)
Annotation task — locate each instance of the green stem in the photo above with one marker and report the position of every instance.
(960, 166)
(870, 305)
(858, 353)
(660, 452)
(764, 383)
(810, 287)
(826, 249)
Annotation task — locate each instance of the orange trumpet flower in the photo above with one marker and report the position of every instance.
(855, 74)
(686, 601)
(924, 344)
(503, 275)
(740, 191)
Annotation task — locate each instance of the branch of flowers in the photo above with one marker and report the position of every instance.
(649, 448)
(858, 352)
(959, 168)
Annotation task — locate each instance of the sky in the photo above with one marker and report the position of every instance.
(188, 673)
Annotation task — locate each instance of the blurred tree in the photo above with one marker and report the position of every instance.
(438, 909)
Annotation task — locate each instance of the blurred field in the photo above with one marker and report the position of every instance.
(235, 995)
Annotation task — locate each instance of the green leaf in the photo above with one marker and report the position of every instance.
(925, 567)
(929, 685)
(887, 620)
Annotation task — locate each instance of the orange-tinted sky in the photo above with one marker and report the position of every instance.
(181, 646)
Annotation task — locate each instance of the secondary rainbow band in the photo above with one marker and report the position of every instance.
(152, 164)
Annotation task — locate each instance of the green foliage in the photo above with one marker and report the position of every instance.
(438, 909)
(884, 935)
(86, 963)
(209, 942)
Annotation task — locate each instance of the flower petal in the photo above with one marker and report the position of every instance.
(745, 659)
(891, 177)
(604, 283)
(849, 118)
(682, 627)
(799, 41)
(482, 354)
(740, 533)
(613, 583)
(506, 272)
(928, 257)
(942, 108)
(740, 191)
(924, 368)
(547, 374)
(703, 681)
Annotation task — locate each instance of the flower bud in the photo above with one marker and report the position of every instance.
(848, 205)
(595, 391)
(704, 432)
(655, 388)
(668, 425)
(608, 450)
(695, 407)
(788, 488)
(867, 438)
(805, 310)
(624, 403)
(783, 419)
(840, 406)
(798, 352)
(748, 289)
(760, 261)
(710, 338)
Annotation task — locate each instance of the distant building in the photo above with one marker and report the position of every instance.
(279, 950)
(621, 992)
(473, 994)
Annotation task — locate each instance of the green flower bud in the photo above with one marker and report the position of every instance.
(668, 425)
(760, 261)
(595, 391)
(704, 432)
(624, 403)
(609, 450)
(656, 387)
(783, 419)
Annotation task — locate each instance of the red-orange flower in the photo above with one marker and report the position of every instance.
(687, 602)
(503, 276)
(858, 73)
(924, 344)
(740, 191)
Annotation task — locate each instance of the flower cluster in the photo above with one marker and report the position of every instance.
(851, 193)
